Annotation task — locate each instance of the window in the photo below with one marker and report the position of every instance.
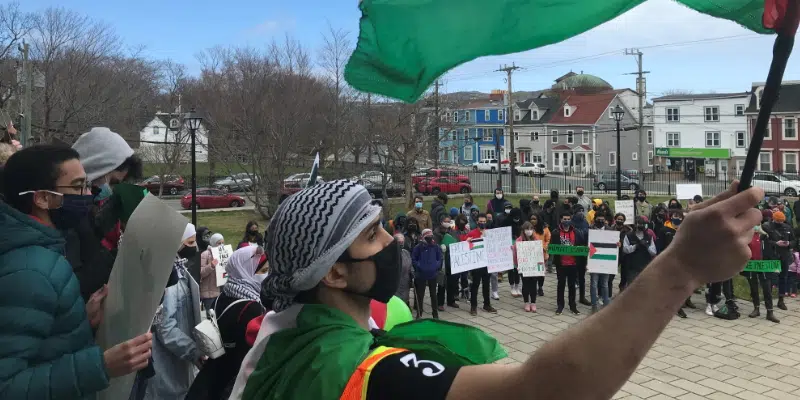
(455, 116)
(585, 137)
(712, 114)
(790, 162)
(612, 158)
(535, 136)
(673, 139)
(453, 135)
(570, 137)
(536, 158)
(487, 134)
(535, 115)
(556, 160)
(516, 136)
(516, 115)
(712, 139)
(467, 153)
(649, 158)
(765, 161)
(634, 156)
(487, 115)
(789, 128)
(174, 123)
(447, 116)
(500, 115)
(611, 112)
(741, 139)
(567, 111)
(554, 136)
(156, 130)
(739, 110)
(466, 115)
(649, 136)
(673, 114)
(487, 153)
(767, 135)
(466, 134)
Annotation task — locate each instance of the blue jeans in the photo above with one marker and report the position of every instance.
(602, 281)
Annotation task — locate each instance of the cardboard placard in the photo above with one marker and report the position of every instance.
(763, 266)
(686, 191)
(627, 208)
(499, 254)
(603, 252)
(221, 254)
(466, 256)
(563, 250)
(530, 258)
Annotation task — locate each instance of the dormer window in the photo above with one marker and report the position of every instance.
(567, 111)
(174, 123)
(517, 115)
(535, 115)
(759, 92)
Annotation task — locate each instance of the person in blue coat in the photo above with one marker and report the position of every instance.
(48, 351)
(427, 261)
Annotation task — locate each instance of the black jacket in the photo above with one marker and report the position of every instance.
(438, 213)
(581, 239)
(91, 261)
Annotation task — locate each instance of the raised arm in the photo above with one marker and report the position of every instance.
(710, 247)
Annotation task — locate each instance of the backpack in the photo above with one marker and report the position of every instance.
(207, 334)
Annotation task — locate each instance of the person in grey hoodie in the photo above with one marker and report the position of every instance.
(407, 272)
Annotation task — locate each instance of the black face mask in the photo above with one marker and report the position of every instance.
(536, 202)
(74, 208)
(620, 223)
(388, 268)
(187, 252)
(642, 198)
(641, 227)
(599, 223)
(580, 192)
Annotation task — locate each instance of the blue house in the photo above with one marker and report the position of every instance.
(472, 132)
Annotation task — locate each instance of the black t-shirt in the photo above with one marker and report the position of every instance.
(405, 376)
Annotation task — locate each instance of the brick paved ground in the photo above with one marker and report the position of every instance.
(700, 357)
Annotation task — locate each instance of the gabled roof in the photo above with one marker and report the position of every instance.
(701, 96)
(547, 108)
(567, 147)
(788, 101)
(588, 108)
(480, 104)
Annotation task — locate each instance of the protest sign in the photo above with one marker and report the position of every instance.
(144, 262)
(530, 258)
(221, 254)
(687, 191)
(466, 256)
(499, 255)
(763, 266)
(603, 252)
(563, 250)
(627, 208)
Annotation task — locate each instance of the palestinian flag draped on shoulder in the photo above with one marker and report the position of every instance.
(404, 45)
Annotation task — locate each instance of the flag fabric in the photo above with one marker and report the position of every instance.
(404, 45)
(603, 251)
(475, 244)
(312, 180)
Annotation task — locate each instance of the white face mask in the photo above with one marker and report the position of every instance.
(447, 224)
(499, 196)
(528, 233)
(508, 211)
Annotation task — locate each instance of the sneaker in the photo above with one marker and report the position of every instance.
(711, 309)
(533, 307)
(489, 309)
(575, 311)
(689, 304)
(559, 311)
(473, 311)
(495, 296)
(441, 308)
(541, 292)
(527, 307)
(585, 302)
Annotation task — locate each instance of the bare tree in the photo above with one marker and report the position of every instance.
(15, 25)
(677, 92)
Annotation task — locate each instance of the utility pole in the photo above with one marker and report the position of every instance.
(25, 105)
(437, 135)
(641, 89)
(510, 118)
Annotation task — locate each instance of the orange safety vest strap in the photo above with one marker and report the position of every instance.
(356, 388)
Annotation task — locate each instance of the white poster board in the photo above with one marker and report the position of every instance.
(144, 262)
(627, 208)
(499, 254)
(221, 254)
(466, 256)
(687, 191)
(530, 258)
(603, 252)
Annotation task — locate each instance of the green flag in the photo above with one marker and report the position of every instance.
(404, 45)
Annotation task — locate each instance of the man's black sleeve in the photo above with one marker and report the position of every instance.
(405, 376)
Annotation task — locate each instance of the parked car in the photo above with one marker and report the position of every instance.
(302, 178)
(212, 198)
(376, 190)
(289, 188)
(418, 177)
(443, 185)
(490, 166)
(532, 169)
(372, 176)
(173, 184)
(609, 182)
(240, 182)
(777, 184)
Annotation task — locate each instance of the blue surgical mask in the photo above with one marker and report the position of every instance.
(105, 192)
(566, 224)
(418, 204)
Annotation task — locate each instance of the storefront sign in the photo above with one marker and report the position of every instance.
(677, 152)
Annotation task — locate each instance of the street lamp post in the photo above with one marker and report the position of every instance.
(618, 114)
(193, 120)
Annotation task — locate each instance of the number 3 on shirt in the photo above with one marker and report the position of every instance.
(434, 369)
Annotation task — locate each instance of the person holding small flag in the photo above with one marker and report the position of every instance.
(640, 249)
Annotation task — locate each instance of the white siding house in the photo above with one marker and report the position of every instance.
(169, 128)
(701, 132)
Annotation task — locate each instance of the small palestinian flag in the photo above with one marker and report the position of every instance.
(603, 251)
(312, 180)
(476, 244)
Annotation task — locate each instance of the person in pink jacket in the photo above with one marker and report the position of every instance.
(209, 291)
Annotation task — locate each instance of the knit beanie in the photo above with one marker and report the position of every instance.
(101, 152)
(778, 216)
(309, 232)
(766, 214)
(453, 212)
(426, 233)
(215, 239)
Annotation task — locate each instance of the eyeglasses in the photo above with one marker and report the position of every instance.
(83, 189)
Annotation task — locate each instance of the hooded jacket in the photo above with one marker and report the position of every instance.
(496, 206)
(508, 220)
(48, 349)
(427, 260)
(438, 212)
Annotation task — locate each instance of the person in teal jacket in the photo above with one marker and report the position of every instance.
(48, 351)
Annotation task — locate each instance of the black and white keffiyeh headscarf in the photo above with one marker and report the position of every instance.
(241, 268)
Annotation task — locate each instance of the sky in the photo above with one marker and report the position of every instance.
(683, 50)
